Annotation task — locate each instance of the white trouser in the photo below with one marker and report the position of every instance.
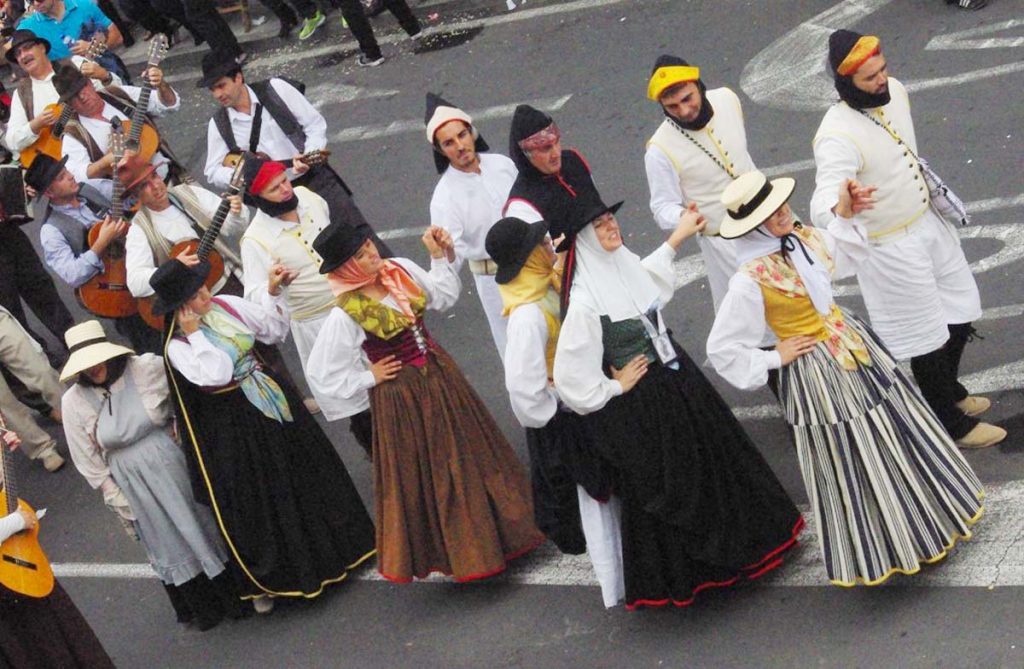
(602, 528)
(24, 358)
(719, 263)
(490, 299)
(915, 284)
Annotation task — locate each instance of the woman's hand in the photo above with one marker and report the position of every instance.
(188, 320)
(31, 520)
(631, 373)
(691, 221)
(854, 198)
(385, 369)
(794, 347)
(278, 276)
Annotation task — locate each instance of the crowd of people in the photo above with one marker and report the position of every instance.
(202, 446)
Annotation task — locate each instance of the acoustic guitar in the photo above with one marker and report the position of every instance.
(49, 141)
(311, 158)
(203, 248)
(106, 294)
(143, 137)
(24, 568)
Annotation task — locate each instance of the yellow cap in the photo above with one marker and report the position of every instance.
(668, 76)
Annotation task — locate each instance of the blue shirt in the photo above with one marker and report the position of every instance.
(57, 251)
(82, 18)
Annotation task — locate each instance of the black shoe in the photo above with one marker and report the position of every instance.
(288, 24)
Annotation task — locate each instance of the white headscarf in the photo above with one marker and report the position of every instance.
(816, 278)
(614, 284)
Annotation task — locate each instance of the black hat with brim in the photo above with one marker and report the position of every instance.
(21, 37)
(337, 243)
(68, 81)
(585, 209)
(217, 64)
(175, 283)
(510, 242)
(43, 171)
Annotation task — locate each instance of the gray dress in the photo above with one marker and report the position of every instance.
(180, 536)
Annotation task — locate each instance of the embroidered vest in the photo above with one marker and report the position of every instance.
(308, 295)
(73, 231)
(788, 308)
(624, 340)
(902, 196)
(183, 198)
(725, 138)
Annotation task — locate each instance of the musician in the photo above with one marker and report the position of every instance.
(39, 633)
(69, 25)
(274, 119)
(35, 92)
(69, 209)
(87, 134)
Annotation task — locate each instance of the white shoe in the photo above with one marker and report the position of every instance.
(263, 604)
(52, 461)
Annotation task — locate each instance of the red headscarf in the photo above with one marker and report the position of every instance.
(267, 171)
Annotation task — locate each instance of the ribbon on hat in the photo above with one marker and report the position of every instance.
(747, 208)
(866, 47)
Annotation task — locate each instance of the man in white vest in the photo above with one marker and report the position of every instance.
(919, 291)
(468, 199)
(286, 222)
(696, 152)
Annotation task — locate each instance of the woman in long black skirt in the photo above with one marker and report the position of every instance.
(700, 508)
(284, 501)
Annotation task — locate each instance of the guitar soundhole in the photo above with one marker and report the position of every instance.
(21, 563)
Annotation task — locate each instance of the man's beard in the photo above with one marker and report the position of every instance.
(275, 209)
(858, 99)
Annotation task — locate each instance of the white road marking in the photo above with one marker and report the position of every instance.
(790, 72)
(964, 39)
(331, 93)
(362, 132)
(992, 558)
(789, 168)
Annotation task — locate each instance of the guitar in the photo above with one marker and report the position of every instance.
(203, 248)
(106, 294)
(49, 141)
(311, 158)
(143, 137)
(24, 568)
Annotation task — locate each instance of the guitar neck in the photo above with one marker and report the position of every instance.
(7, 472)
(138, 116)
(211, 234)
(117, 200)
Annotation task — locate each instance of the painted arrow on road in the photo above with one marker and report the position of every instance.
(967, 39)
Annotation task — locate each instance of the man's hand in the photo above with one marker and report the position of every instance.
(44, 120)
(109, 231)
(278, 276)
(80, 48)
(31, 521)
(691, 221)
(236, 204)
(153, 75)
(10, 438)
(188, 259)
(298, 166)
(854, 198)
(96, 71)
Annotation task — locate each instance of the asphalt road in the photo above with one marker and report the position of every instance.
(966, 96)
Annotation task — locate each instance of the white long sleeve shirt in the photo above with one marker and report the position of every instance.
(99, 130)
(273, 141)
(174, 226)
(338, 370)
(19, 134)
(534, 399)
(204, 364)
(734, 343)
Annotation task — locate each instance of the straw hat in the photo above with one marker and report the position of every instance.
(89, 347)
(750, 200)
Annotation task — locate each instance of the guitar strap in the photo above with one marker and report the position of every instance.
(183, 198)
(254, 130)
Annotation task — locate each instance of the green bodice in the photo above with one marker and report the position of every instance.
(625, 340)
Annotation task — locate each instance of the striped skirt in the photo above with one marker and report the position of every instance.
(888, 486)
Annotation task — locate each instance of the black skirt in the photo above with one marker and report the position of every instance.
(556, 508)
(700, 506)
(284, 501)
(47, 632)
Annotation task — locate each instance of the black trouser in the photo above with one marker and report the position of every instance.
(142, 12)
(110, 10)
(203, 19)
(328, 184)
(289, 12)
(361, 427)
(360, 26)
(25, 278)
(936, 374)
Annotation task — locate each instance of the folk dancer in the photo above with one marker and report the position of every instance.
(468, 199)
(698, 149)
(889, 489)
(917, 286)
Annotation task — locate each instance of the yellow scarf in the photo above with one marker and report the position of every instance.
(539, 282)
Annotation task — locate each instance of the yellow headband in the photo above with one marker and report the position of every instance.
(668, 76)
(866, 47)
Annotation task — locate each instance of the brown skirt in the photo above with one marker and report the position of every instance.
(449, 493)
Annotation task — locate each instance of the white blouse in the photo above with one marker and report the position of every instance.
(338, 370)
(81, 417)
(534, 399)
(740, 324)
(579, 376)
(204, 364)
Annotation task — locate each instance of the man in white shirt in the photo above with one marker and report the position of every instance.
(274, 120)
(917, 286)
(35, 92)
(696, 152)
(469, 198)
(87, 135)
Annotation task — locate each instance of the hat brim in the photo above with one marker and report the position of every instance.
(90, 356)
(534, 235)
(162, 307)
(146, 171)
(12, 53)
(57, 169)
(210, 78)
(570, 235)
(328, 267)
(75, 90)
(782, 190)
